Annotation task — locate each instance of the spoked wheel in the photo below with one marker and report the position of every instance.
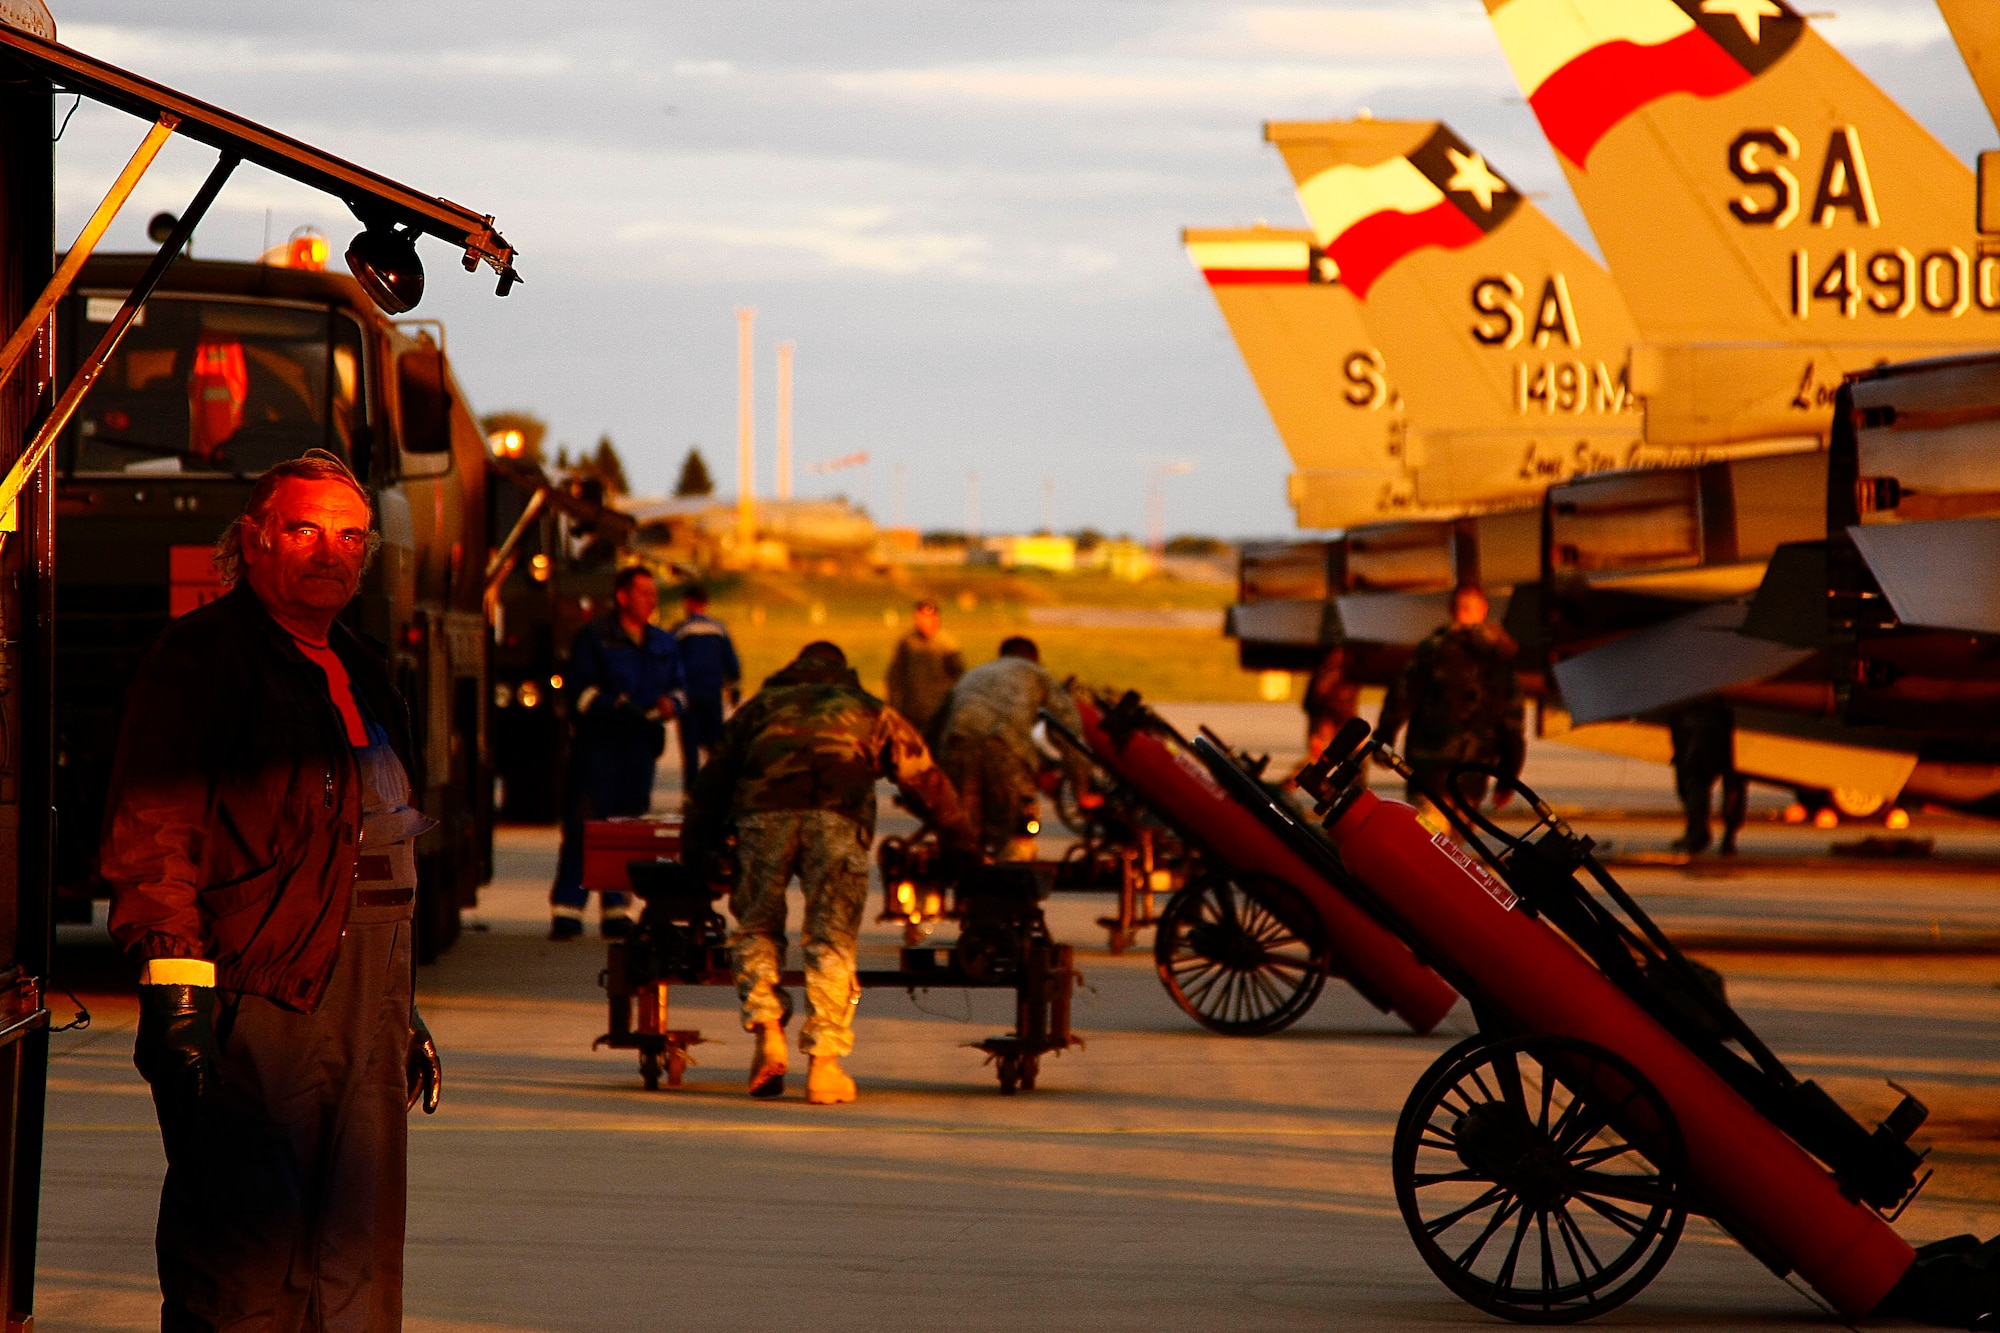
(1538, 1177)
(1068, 809)
(1243, 956)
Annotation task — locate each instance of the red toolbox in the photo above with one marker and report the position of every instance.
(608, 844)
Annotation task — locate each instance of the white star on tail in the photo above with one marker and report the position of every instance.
(1750, 13)
(1470, 175)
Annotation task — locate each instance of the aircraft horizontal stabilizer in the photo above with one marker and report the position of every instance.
(1393, 617)
(1938, 573)
(1670, 663)
(1296, 622)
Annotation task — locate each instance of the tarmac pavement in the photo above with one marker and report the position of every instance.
(1160, 1177)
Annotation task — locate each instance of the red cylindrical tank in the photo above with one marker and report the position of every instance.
(1465, 917)
(1373, 960)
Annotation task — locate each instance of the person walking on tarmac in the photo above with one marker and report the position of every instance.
(987, 746)
(1459, 696)
(926, 665)
(259, 845)
(1331, 702)
(1704, 737)
(793, 778)
(709, 665)
(624, 684)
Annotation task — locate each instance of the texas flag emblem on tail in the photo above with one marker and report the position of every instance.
(1586, 65)
(1440, 193)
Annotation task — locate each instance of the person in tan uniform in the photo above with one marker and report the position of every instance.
(986, 744)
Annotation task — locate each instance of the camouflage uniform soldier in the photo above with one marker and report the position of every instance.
(794, 776)
(1462, 702)
(986, 744)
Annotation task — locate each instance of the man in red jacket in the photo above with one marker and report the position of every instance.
(259, 844)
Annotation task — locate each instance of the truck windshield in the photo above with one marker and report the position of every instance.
(216, 386)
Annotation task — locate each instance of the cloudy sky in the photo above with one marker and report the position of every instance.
(966, 215)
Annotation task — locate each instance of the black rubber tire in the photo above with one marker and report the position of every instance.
(1513, 1134)
(1242, 955)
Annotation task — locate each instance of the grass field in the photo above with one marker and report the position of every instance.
(772, 616)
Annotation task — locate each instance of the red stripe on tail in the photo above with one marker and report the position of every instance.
(1255, 277)
(1581, 102)
(1366, 249)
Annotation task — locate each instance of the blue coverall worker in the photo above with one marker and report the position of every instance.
(624, 684)
(708, 661)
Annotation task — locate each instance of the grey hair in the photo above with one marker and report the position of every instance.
(313, 465)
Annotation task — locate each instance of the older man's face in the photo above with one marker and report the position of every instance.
(307, 563)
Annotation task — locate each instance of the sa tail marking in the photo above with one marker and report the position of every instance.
(1757, 157)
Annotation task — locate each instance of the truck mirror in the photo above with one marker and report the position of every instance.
(426, 402)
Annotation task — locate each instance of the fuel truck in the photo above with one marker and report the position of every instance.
(236, 367)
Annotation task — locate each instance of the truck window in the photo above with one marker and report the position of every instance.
(420, 384)
(217, 386)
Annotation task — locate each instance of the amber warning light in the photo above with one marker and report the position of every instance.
(306, 249)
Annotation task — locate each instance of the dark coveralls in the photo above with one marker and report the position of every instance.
(612, 683)
(708, 662)
(1462, 701)
(246, 827)
(1704, 736)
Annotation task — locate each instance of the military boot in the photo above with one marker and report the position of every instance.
(767, 1061)
(827, 1084)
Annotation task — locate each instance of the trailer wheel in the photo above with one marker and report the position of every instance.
(1539, 1177)
(1070, 811)
(649, 1070)
(1243, 955)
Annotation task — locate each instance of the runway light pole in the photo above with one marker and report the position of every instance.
(1156, 503)
(746, 432)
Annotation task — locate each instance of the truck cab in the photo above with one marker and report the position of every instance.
(233, 368)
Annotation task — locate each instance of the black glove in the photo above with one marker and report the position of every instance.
(176, 1048)
(422, 1069)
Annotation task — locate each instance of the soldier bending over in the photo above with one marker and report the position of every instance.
(987, 746)
(794, 778)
